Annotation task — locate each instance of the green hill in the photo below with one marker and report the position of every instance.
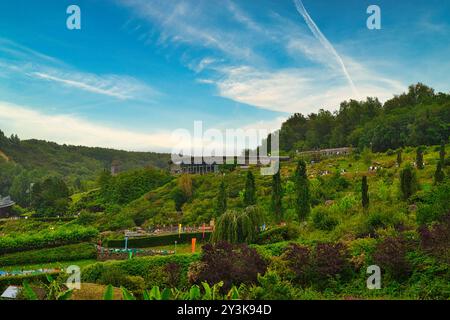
(41, 158)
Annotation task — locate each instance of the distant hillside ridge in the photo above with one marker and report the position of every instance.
(80, 161)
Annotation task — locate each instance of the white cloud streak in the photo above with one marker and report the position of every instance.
(324, 41)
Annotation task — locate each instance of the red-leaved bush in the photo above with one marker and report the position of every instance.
(436, 239)
(390, 256)
(298, 258)
(329, 260)
(231, 263)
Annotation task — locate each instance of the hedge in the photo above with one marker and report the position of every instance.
(278, 234)
(32, 278)
(156, 241)
(64, 253)
(149, 268)
(46, 239)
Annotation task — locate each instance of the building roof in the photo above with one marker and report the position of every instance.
(6, 202)
(11, 292)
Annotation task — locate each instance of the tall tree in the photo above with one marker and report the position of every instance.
(408, 182)
(303, 201)
(399, 157)
(221, 205)
(250, 190)
(419, 158)
(277, 195)
(50, 197)
(20, 189)
(439, 174)
(442, 154)
(364, 192)
(238, 227)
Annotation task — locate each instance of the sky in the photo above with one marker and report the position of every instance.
(138, 69)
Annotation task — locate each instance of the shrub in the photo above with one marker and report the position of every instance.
(322, 220)
(272, 287)
(436, 239)
(152, 269)
(329, 260)
(434, 204)
(390, 256)
(232, 264)
(172, 270)
(278, 234)
(46, 238)
(298, 260)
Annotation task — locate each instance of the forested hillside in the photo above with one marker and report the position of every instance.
(28, 161)
(418, 117)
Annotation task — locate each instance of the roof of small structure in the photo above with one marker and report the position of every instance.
(6, 202)
(11, 292)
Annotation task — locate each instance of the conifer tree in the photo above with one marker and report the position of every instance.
(277, 195)
(439, 174)
(408, 182)
(250, 190)
(442, 154)
(303, 205)
(364, 192)
(221, 206)
(419, 158)
(399, 157)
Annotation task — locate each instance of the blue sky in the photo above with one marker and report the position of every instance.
(139, 69)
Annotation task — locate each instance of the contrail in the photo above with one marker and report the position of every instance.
(324, 41)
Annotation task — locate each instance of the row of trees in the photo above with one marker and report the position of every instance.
(235, 226)
(417, 117)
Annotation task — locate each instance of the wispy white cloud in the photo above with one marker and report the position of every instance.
(120, 87)
(19, 60)
(324, 41)
(299, 90)
(240, 71)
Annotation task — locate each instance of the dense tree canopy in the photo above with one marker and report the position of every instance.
(418, 117)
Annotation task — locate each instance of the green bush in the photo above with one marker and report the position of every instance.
(156, 241)
(434, 204)
(278, 234)
(322, 220)
(64, 253)
(145, 267)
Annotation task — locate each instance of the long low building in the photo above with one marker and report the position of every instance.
(327, 152)
(204, 165)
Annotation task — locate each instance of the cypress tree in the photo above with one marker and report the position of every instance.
(221, 206)
(364, 192)
(399, 157)
(419, 158)
(303, 206)
(250, 190)
(277, 195)
(408, 182)
(442, 154)
(439, 174)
